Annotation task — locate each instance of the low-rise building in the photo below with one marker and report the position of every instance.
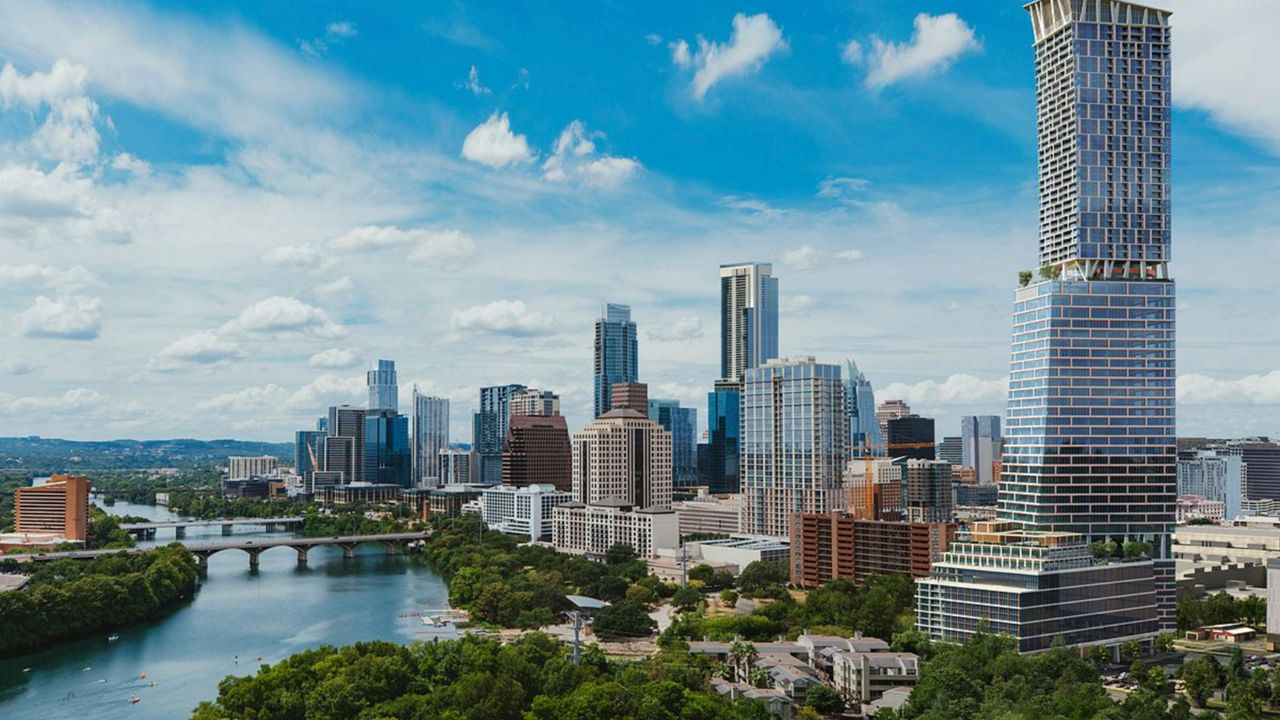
(863, 677)
(57, 506)
(826, 546)
(1197, 507)
(591, 530)
(525, 511)
(356, 493)
(1226, 544)
(709, 514)
(740, 551)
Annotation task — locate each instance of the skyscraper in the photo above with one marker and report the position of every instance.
(615, 354)
(344, 444)
(308, 452)
(682, 423)
(911, 436)
(489, 431)
(388, 457)
(534, 402)
(865, 437)
(748, 318)
(622, 457)
(888, 410)
(794, 430)
(383, 391)
(980, 445)
(1090, 439)
(629, 396)
(536, 452)
(430, 436)
(720, 466)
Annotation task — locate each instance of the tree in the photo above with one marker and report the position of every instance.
(1253, 609)
(1024, 277)
(1050, 272)
(825, 700)
(1180, 709)
(1130, 650)
(762, 574)
(619, 554)
(729, 597)
(1235, 666)
(1164, 642)
(623, 620)
(642, 594)
(1200, 678)
(1099, 655)
(686, 598)
(741, 656)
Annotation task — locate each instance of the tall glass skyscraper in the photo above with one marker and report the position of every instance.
(388, 459)
(860, 402)
(682, 423)
(489, 431)
(719, 466)
(980, 445)
(748, 318)
(430, 436)
(616, 353)
(383, 391)
(1089, 441)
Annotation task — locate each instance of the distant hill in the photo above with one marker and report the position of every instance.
(50, 455)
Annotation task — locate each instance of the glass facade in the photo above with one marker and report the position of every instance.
(748, 318)
(860, 401)
(383, 390)
(719, 466)
(489, 431)
(682, 423)
(616, 351)
(430, 436)
(387, 457)
(308, 452)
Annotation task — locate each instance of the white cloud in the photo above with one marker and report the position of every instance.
(851, 52)
(506, 317)
(328, 389)
(573, 158)
(48, 276)
(334, 359)
(936, 42)
(339, 287)
(16, 367)
(754, 39)
(493, 144)
(958, 389)
(752, 206)
(70, 317)
(280, 315)
(1195, 389)
(300, 257)
(201, 348)
(685, 328)
(795, 304)
(653, 39)
(68, 132)
(76, 400)
(343, 29)
(841, 187)
(249, 400)
(801, 258)
(131, 164)
(334, 34)
(446, 249)
(849, 255)
(57, 207)
(473, 83)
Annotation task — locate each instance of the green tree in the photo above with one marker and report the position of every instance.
(1024, 277)
(824, 700)
(619, 554)
(623, 621)
(760, 575)
(1200, 678)
(1235, 666)
(686, 598)
(1130, 650)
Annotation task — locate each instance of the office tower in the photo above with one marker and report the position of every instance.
(624, 457)
(748, 318)
(1213, 476)
(346, 421)
(719, 464)
(430, 436)
(616, 353)
(322, 424)
(534, 402)
(383, 391)
(457, 466)
(388, 457)
(794, 430)
(489, 431)
(682, 423)
(241, 467)
(59, 506)
(981, 443)
(308, 452)
(1089, 451)
(888, 410)
(951, 450)
(629, 396)
(910, 436)
(865, 436)
(876, 488)
(929, 484)
(1261, 458)
(340, 459)
(536, 452)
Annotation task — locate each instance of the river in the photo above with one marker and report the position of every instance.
(279, 610)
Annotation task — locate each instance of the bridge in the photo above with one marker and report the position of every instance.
(147, 530)
(393, 542)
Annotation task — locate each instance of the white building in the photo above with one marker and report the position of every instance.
(708, 514)
(1214, 477)
(430, 436)
(532, 401)
(592, 529)
(1273, 603)
(457, 467)
(523, 511)
(740, 551)
(1195, 507)
(622, 456)
(242, 467)
(863, 677)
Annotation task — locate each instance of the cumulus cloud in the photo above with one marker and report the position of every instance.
(131, 164)
(341, 286)
(936, 42)
(329, 389)
(301, 257)
(685, 328)
(755, 38)
(958, 389)
(1195, 389)
(284, 315)
(68, 132)
(250, 399)
(77, 277)
(574, 158)
(493, 144)
(444, 248)
(56, 207)
(334, 359)
(202, 348)
(473, 83)
(807, 257)
(506, 317)
(70, 317)
(73, 401)
(795, 304)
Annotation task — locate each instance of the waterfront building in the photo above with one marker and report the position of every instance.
(489, 431)
(748, 318)
(630, 396)
(360, 493)
(981, 445)
(388, 457)
(430, 436)
(240, 467)
(1213, 477)
(537, 452)
(591, 530)
(888, 410)
(526, 511)
(622, 456)
(1261, 458)
(794, 430)
(384, 393)
(682, 423)
(308, 452)
(457, 466)
(719, 466)
(616, 354)
(865, 437)
(838, 545)
(59, 507)
(347, 457)
(950, 450)
(910, 436)
(532, 401)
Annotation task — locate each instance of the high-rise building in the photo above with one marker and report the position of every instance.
(865, 436)
(59, 506)
(630, 396)
(622, 456)
(748, 318)
(430, 436)
(950, 450)
(242, 467)
(1215, 477)
(532, 401)
(929, 484)
(308, 452)
(888, 410)
(340, 460)
(388, 456)
(876, 488)
(910, 436)
(1089, 451)
(457, 466)
(794, 431)
(489, 431)
(383, 391)
(346, 421)
(1261, 458)
(616, 349)
(830, 546)
(981, 443)
(719, 465)
(682, 423)
(536, 452)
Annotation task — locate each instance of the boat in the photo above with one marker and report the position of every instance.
(86, 669)
(142, 676)
(26, 670)
(113, 637)
(133, 699)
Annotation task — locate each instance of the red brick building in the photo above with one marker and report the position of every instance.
(826, 546)
(537, 452)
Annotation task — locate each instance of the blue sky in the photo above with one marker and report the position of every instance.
(215, 215)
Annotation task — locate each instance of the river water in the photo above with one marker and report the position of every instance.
(237, 616)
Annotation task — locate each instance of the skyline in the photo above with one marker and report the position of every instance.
(289, 247)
